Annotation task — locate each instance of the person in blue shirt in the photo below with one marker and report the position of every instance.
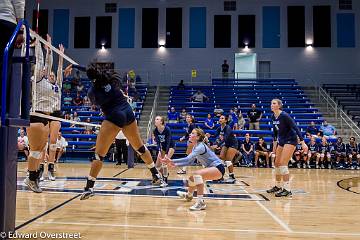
(235, 119)
(165, 144)
(213, 168)
(230, 148)
(300, 155)
(327, 130)
(340, 152)
(209, 123)
(325, 153)
(248, 150)
(313, 152)
(353, 155)
(285, 139)
(312, 130)
(173, 116)
(106, 93)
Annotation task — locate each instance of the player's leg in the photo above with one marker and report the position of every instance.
(285, 156)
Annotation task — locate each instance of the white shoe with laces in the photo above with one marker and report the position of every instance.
(184, 195)
(198, 206)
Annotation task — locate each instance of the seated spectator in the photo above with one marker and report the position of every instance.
(67, 87)
(218, 144)
(340, 153)
(75, 118)
(67, 99)
(248, 150)
(23, 143)
(173, 116)
(218, 111)
(61, 145)
(234, 118)
(325, 150)
(327, 130)
(88, 129)
(93, 108)
(254, 116)
(183, 115)
(230, 121)
(78, 101)
(241, 121)
(261, 151)
(75, 81)
(353, 155)
(199, 97)
(67, 116)
(314, 152)
(300, 155)
(80, 87)
(312, 130)
(86, 101)
(181, 85)
(209, 123)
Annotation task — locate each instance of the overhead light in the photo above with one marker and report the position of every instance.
(162, 44)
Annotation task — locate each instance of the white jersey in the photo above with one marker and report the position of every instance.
(45, 96)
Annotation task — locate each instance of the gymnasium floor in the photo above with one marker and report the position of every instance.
(321, 207)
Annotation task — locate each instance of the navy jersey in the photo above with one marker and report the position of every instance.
(313, 147)
(248, 145)
(351, 148)
(262, 148)
(324, 148)
(339, 147)
(298, 147)
(164, 139)
(189, 129)
(285, 129)
(107, 97)
(229, 138)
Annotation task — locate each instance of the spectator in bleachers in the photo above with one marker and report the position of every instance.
(235, 119)
(67, 99)
(78, 101)
(80, 87)
(23, 143)
(325, 150)
(248, 150)
(352, 152)
(261, 151)
(75, 118)
(67, 87)
(225, 69)
(241, 120)
(67, 116)
(218, 111)
(314, 152)
(86, 101)
(254, 116)
(327, 130)
(230, 121)
(199, 97)
(89, 129)
(173, 116)
(183, 115)
(340, 152)
(209, 123)
(312, 130)
(181, 85)
(190, 120)
(76, 80)
(61, 145)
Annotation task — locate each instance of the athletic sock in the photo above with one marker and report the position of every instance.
(33, 175)
(278, 184)
(90, 182)
(287, 185)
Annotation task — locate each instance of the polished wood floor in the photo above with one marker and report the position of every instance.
(325, 205)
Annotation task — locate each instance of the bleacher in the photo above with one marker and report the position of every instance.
(80, 144)
(348, 96)
(229, 93)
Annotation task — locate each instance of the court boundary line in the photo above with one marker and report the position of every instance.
(121, 172)
(47, 212)
(274, 216)
(204, 229)
(346, 189)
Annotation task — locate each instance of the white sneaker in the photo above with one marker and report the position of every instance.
(309, 166)
(298, 165)
(358, 167)
(329, 166)
(352, 167)
(181, 171)
(184, 195)
(317, 166)
(51, 176)
(199, 205)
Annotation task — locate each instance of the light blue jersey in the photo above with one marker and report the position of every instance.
(203, 154)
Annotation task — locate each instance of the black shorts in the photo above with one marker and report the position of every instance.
(221, 168)
(293, 142)
(231, 144)
(121, 115)
(36, 119)
(57, 114)
(163, 146)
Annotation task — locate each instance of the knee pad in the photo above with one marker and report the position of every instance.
(328, 156)
(277, 171)
(358, 156)
(198, 179)
(350, 156)
(142, 150)
(284, 170)
(98, 157)
(191, 183)
(228, 164)
(52, 147)
(322, 155)
(35, 154)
